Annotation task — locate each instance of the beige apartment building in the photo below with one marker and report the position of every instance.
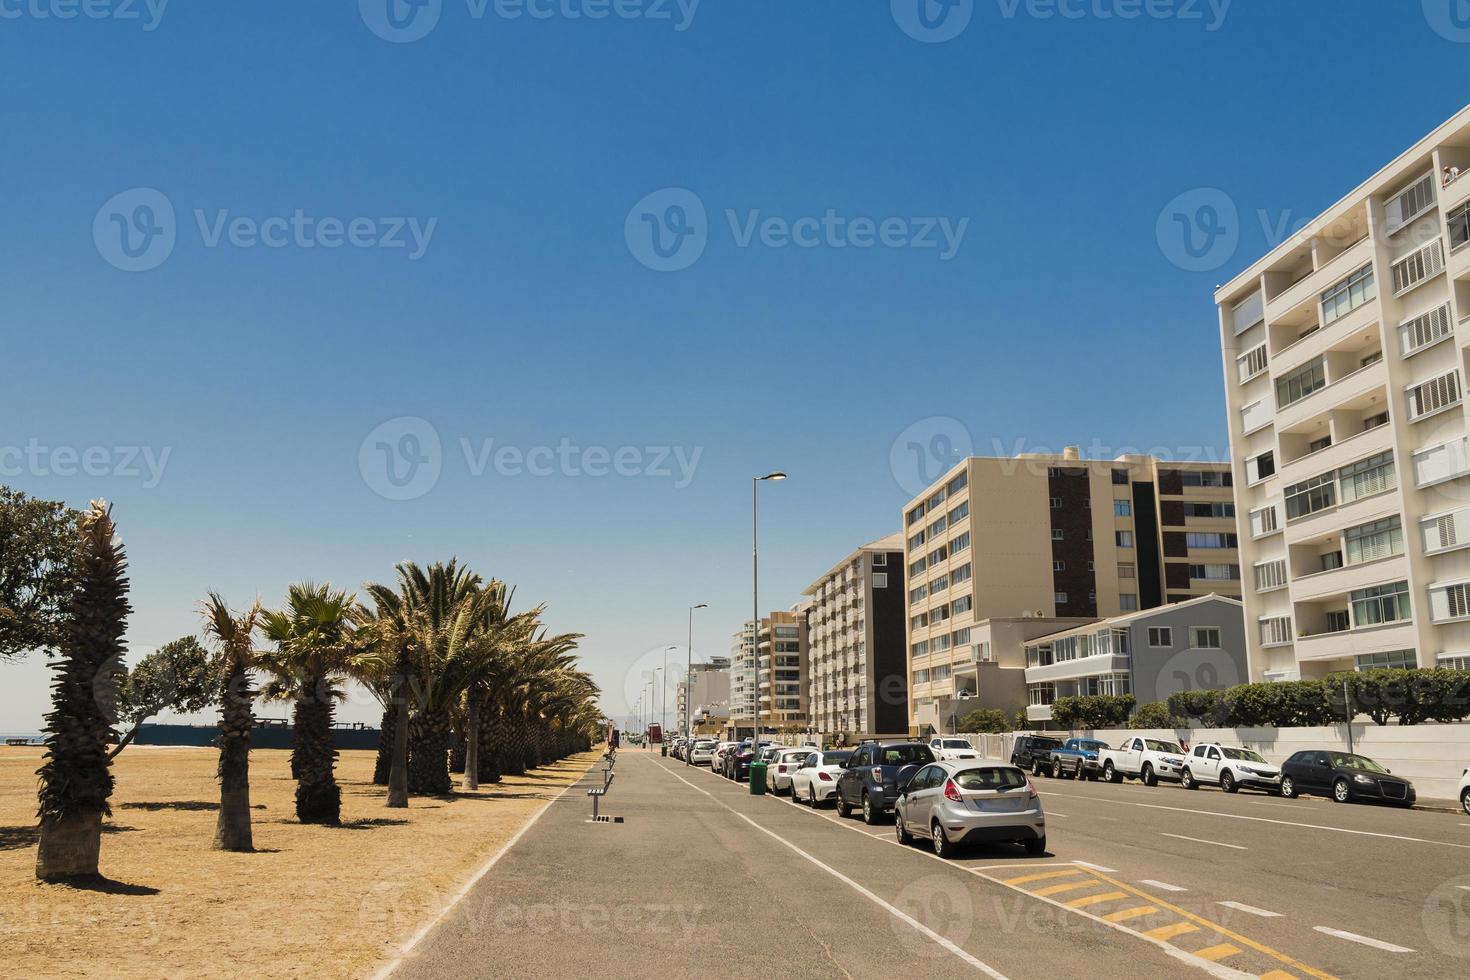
(855, 629)
(705, 691)
(1344, 356)
(1053, 537)
(780, 642)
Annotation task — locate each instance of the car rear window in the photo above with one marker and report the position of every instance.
(990, 778)
(956, 743)
(835, 758)
(1046, 743)
(904, 755)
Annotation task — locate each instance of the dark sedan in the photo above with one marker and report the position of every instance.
(1345, 777)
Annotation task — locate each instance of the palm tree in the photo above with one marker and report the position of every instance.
(316, 649)
(385, 629)
(233, 636)
(497, 635)
(76, 777)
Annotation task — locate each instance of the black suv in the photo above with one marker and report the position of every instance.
(871, 776)
(1033, 752)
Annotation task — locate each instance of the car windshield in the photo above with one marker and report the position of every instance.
(904, 755)
(1243, 755)
(956, 743)
(1091, 746)
(1046, 743)
(835, 758)
(704, 745)
(1342, 760)
(995, 778)
(793, 756)
(1158, 746)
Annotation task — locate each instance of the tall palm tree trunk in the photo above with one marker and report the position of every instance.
(513, 755)
(472, 738)
(398, 765)
(232, 830)
(383, 766)
(458, 750)
(488, 770)
(318, 797)
(428, 754)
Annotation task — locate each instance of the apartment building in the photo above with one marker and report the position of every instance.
(779, 644)
(1056, 536)
(707, 686)
(855, 626)
(1344, 356)
(1198, 644)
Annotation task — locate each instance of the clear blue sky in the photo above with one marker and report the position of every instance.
(529, 319)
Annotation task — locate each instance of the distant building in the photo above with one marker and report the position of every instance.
(781, 642)
(710, 683)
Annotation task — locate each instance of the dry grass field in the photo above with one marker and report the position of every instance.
(312, 902)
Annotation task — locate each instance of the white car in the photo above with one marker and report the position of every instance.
(1148, 759)
(702, 752)
(1465, 790)
(956, 803)
(780, 767)
(952, 749)
(1229, 767)
(719, 754)
(814, 780)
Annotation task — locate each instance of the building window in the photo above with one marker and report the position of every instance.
(1126, 569)
(1056, 503)
(959, 513)
(1349, 294)
(1251, 363)
(1122, 508)
(1160, 636)
(961, 479)
(959, 544)
(1120, 478)
(1212, 510)
(1421, 266)
(1061, 598)
(1128, 602)
(1209, 539)
(1368, 542)
(1430, 396)
(1367, 477)
(918, 566)
(1056, 534)
(1381, 604)
(1310, 496)
(916, 514)
(1204, 637)
(1305, 380)
(916, 541)
(1206, 478)
(1271, 575)
(937, 526)
(1449, 602)
(1374, 421)
(961, 574)
(962, 604)
(1124, 539)
(1275, 630)
(919, 593)
(880, 580)
(880, 559)
(1409, 203)
(1402, 659)
(1426, 329)
(1059, 566)
(938, 585)
(1215, 573)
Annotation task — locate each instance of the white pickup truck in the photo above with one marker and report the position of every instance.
(1229, 767)
(1148, 759)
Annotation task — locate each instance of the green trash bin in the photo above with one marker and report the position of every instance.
(664, 750)
(757, 779)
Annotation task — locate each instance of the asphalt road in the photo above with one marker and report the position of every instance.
(703, 880)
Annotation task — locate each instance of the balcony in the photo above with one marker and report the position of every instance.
(1338, 582)
(1070, 670)
(1300, 298)
(1354, 643)
(1350, 441)
(1344, 386)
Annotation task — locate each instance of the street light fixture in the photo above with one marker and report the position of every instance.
(689, 688)
(755, 620)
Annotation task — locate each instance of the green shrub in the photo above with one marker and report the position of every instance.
(1093, 711)
(1155, 715)
(1200, 709)
(992, 720)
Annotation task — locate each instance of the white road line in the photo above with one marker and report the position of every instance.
(1282, 823)
(1053, 813)
(1251, 909)
(896, 912)
(1097, 867)
(1217, 843)
(1162, 885)
(388, 969)
(1353, 937)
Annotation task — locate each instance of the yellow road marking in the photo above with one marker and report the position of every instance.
(1171, 930)
(1216, 953)
(1132, 913)
(1027, 879)
(1277, 955)
(1082, 903)
(1278, 975)
(1070, 886)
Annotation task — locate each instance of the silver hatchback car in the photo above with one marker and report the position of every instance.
(965, 802)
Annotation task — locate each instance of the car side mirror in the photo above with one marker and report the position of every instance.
(903, 784)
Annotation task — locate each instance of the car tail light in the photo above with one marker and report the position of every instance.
(824, 777)
(878, 773)
(781, 768)
(1031, 789)
(952, 792)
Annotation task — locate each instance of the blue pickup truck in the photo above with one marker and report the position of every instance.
(1075, 759)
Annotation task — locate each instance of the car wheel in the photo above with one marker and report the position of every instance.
(811, 796)
(1056, 769)
(1036, 767)
(1288, 788)
(1149, 779)
(870, 815)
(1110, 773)
(942, 846)
(1227, 782)
(843, 810)
(1037, 846)
(1465, 801)
(904, 837)
(1186, 779)
(1342, 792)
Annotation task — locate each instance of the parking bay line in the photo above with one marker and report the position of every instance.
(1353, 937)
(1283, 823)
(1215, 969)
(1217, 843)
(1250, 910)
(1162, 885)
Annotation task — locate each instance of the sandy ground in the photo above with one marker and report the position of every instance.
(312, 902)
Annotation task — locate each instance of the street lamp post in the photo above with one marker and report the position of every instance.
(663, 693)
(755, 611)
(689, 688)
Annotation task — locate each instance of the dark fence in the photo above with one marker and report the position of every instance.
(268, 734)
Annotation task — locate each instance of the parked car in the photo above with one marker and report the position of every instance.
(728, 759)
(780, 767)
(953, 803)
(952, 748)
(717, 760)
(1076, 758)
(815, 779)
(702, 752)
(1032, 752)
(870, 780)
(1229, 767)
(1148, 759)
(1465, 791)
(1346, 777)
